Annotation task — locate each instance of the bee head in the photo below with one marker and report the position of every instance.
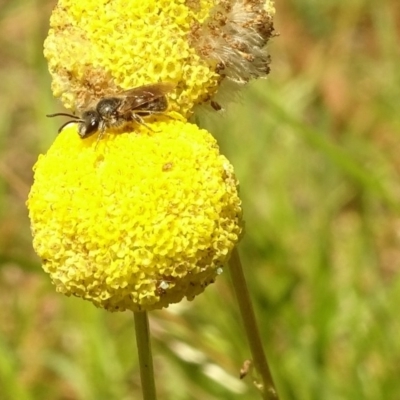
(89, 124)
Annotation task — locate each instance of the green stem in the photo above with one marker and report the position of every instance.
(252, 332)
(145, 357)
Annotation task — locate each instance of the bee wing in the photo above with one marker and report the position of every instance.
(134, 98)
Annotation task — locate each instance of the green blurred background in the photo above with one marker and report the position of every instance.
(316, 150)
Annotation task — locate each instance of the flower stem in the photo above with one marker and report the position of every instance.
(145, 357)
(252, 332)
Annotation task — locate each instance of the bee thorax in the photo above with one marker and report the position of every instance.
(107, 108)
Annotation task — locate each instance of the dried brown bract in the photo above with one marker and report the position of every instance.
(234, 37)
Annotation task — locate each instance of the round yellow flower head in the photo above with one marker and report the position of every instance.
(136, 220)
(97, 48)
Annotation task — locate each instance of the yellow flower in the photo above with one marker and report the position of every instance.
(139, 221)
(96, 48)
(143, 218)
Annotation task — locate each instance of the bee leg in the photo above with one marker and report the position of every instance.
(99, 137)
(137, 118)
(163, 114)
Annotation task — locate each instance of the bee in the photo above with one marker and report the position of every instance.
(129, 106)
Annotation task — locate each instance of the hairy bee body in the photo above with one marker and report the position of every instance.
(130, 106)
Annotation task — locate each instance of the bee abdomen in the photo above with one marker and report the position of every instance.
(157, 105)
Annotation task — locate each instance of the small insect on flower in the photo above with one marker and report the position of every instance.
(216, 106)
(129, 106)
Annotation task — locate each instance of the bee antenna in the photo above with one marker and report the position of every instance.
(74, 121)
(62, 115)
